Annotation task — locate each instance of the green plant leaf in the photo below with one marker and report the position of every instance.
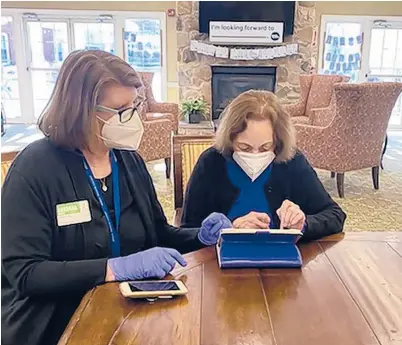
(192, 105)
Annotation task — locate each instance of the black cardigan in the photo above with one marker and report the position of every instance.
(210, 190)
(47, 269)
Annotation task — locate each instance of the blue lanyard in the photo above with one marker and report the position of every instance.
(114, 235)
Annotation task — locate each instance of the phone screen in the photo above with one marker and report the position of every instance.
(153, 286)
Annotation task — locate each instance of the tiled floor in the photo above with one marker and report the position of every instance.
(367, 209)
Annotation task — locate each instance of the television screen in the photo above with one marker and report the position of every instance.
(247, 11)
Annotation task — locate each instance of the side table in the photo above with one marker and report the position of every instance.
(202, 128)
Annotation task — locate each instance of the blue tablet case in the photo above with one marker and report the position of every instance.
(259, 249)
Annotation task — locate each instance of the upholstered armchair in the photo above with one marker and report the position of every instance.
(159, 120)
(315, 92)
(154, 110)
(156, 142)
(349, 134)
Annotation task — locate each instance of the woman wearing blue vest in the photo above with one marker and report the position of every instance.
(255, 176)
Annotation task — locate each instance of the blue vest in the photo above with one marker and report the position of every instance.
(252, 196)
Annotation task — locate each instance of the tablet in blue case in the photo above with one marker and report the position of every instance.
(245, 248)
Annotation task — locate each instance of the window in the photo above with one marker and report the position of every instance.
(342, 49)
(5, 49)
(10, 97)
(143, 49)
(366, 48)
(46, 38)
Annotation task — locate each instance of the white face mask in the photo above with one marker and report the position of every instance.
(123, 136)
(253, 164)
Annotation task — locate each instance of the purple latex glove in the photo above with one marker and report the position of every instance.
(156, 262)
(211, 228)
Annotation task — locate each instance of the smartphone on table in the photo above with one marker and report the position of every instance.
(153, 289)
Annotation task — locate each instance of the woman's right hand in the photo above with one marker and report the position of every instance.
(156, 262)
(253, 220)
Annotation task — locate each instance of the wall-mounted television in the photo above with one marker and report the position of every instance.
(247, 11)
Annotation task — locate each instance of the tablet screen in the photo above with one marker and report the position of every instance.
(153, 286)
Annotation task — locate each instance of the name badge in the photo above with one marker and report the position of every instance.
(75, 212)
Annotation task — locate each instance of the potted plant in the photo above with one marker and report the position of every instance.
(194, 111)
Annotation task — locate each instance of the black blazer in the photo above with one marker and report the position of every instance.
(210, 190)
(47, 269)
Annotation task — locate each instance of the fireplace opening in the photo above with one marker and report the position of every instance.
(230, 81)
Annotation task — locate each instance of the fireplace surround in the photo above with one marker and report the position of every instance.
(195, 76)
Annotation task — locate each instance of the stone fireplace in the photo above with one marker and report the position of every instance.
(196, 72)
(230, 81)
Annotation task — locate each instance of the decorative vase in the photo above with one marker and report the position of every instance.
(194, 117)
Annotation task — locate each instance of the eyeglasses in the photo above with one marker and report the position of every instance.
(125, 114)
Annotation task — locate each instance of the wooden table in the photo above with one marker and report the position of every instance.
(349, 291)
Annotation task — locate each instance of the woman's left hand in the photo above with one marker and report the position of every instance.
(291, 216)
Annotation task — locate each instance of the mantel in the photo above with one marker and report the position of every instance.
(251, 46)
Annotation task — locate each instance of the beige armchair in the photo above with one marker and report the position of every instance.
(349, 134)
(154, 110)
(315, 92)
(159, 120)
(156, 142)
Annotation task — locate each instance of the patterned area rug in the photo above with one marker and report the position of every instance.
(367, 209)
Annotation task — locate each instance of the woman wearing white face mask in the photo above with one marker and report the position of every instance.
(255, 176)
(79, 208)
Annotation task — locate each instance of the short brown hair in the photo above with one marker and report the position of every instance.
(68, 117)
(257, 105)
